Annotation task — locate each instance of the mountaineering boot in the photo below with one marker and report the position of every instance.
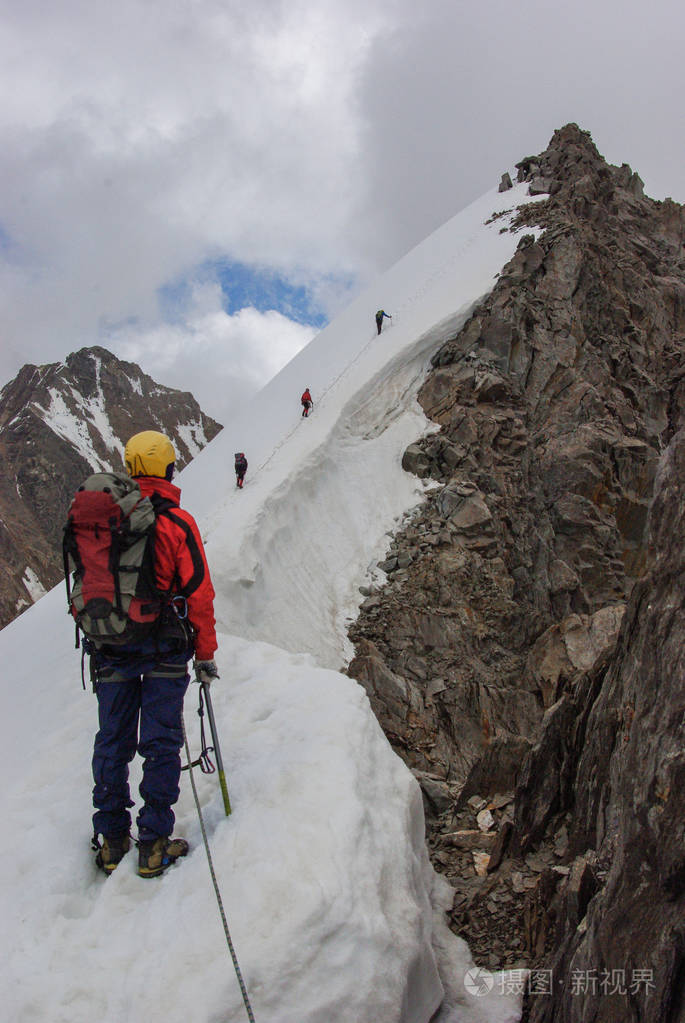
(112, 852)
(155, 856)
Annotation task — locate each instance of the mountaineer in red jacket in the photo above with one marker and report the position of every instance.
(306, 402)
(140, 686)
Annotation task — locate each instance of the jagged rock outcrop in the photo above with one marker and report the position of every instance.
(58, 423)
(612, 754)
(505, 607)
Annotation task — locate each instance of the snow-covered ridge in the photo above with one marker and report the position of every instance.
(71, 420)
(85, 421)
(290, 549)
(71, 423)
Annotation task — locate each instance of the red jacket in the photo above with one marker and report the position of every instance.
(180, 562)
(306, 397)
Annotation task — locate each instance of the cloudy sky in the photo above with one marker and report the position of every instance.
(199, 185)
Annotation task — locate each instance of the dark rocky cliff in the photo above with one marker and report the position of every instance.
(59, 423)
(610, 769)
(500, 653)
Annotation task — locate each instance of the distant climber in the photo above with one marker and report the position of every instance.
(379, 319)
(240, 468)
(307, 402)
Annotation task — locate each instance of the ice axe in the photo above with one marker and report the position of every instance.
(217, 749)
(204, 761)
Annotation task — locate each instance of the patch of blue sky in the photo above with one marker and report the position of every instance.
(244, 286)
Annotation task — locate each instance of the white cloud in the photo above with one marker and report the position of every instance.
(142, 139)
(224, 358)
(318, 140)
(458, 92)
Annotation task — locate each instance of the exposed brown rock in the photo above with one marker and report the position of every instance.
(622, 777)
(535, 610)
(577, 643)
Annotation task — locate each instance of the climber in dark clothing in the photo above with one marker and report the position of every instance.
(379, 319)
(240, 468)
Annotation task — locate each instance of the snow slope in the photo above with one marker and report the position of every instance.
(321, 493)
(334, 908)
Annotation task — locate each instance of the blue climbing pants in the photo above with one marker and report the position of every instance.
(139, 709)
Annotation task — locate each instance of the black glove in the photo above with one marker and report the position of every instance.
(205, 671)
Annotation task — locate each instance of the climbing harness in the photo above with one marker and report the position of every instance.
(229, 942)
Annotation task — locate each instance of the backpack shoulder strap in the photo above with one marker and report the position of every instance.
(161, 504)
(170, 511)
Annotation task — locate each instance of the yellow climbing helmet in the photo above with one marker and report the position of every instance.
(150, 454)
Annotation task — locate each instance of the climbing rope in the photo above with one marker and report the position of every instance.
(229, 942)
(320, 397)
(444, 269)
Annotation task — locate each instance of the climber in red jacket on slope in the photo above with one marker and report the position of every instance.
(307, 402)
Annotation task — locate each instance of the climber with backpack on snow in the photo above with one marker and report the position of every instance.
(240, 468)
(143, 598)
(379, 319)
(307, 402)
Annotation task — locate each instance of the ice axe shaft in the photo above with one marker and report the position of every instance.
(217, 749)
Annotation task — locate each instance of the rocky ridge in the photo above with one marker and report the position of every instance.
(609, 770)
(515, 594)
(59, 423)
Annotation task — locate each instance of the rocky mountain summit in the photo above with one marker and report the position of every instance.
(58, 424)
(525, 656)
